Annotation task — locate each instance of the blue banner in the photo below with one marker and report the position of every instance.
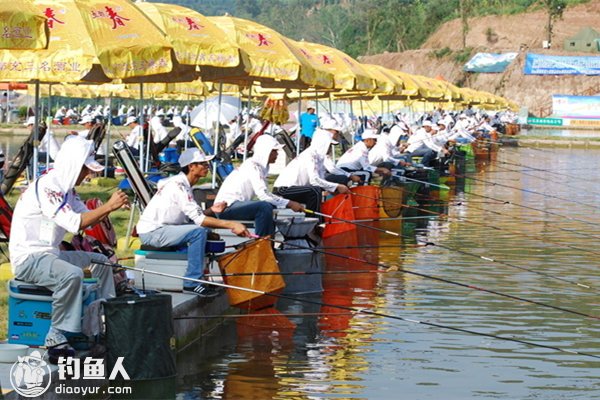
(581, 107)
(538, 64)
(489, 62)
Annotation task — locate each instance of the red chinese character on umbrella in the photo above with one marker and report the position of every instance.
(192, 25)
(262, 40)
(116, 18)
(326, 60)
(49, 13)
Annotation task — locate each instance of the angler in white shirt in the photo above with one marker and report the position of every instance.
(357, 157)
(48, 209)
(461, 130)
(173, 218)
(159, 132)
(87, 122)
(250, 180)
(422, 144)
(303, 179)
(387, 152)
(135, 136)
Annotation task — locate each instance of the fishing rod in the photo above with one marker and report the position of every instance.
(242, 316)
(547, 275)
(526, 207)
(527, 190)
(448, 281)
(351, 222)
(357, 310)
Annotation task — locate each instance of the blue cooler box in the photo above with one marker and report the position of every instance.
(30, 310)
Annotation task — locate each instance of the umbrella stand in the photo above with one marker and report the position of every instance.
(216, 133)
(247, 123)
(299, 131)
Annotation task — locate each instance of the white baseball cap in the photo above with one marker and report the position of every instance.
(193, 155)
(427, 123)
(369, 134)
(130, 120)
(92, 164)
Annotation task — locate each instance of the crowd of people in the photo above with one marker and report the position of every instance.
(50, 207)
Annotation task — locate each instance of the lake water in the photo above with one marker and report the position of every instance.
(336, 354)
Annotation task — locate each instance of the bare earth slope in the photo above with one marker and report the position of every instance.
(517, 33)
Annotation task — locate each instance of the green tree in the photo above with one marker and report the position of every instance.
(555, 9)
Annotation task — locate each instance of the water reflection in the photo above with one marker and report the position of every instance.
(336, 353)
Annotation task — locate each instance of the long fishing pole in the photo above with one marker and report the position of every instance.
(357, 310)
(527, 191)
(545, 274)
(351, 222)
(448, 281)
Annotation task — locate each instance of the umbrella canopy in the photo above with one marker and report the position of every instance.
(267, 57)
(349, 74)
(207, 114)
(195, 39)
(91, 41)
(22, 26)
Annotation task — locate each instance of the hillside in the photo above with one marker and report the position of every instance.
(522, 33)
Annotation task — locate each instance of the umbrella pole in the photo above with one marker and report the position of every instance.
(48, 128)
(216, 141)
(352, 118)
(141, 116)
(106, 151)
(299, 131)
(247, 123)
(8, 105)
(36, 126)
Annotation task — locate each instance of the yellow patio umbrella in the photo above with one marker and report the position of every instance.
(22, 26)
(413, 88)
(195, 39)
(349, 73)
(92, 41)
(267, 57)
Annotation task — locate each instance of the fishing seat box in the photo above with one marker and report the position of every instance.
(167, 262)
(30, 310)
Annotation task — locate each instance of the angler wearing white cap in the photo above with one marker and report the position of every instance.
(303, 179)
(159, 132)
(48, 144)
(250, 180)
(422, 144)
(357, 157)
(173, 218)
(88, 122)
(135, 136)
(48, 209)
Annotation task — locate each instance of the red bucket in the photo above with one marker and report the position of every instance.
(366, 202)
(339, 206)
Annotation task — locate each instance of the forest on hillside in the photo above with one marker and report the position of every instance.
(364, 27)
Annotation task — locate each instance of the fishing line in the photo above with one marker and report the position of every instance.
(357, 310)
(547, 275)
